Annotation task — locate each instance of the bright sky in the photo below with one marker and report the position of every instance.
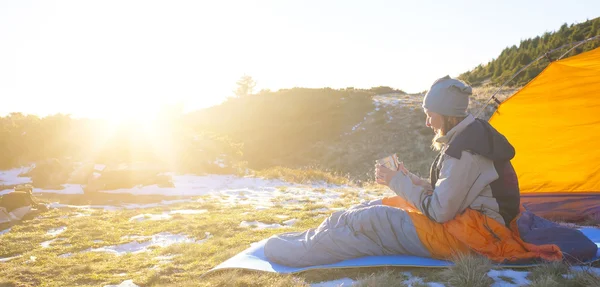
(110, 58)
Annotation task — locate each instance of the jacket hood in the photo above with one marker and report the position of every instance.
(483, 139)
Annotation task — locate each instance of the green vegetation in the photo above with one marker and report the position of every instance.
(515, 57)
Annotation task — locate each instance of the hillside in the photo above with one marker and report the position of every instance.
(513, 58)
(343, 131)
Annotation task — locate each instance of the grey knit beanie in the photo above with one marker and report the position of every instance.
(448, 97)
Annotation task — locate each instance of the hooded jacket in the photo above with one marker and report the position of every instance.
(462, 176)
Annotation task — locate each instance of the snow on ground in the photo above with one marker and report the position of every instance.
(263, 197)
(5, 259)
(519, 277)
(166, 215)
(57, 231)
(260, 225)
(47, 243)
(418, 281)
(324, 209)
(11, 176)
(184, 185)
(344, 282)
(4, 231)
(162, 239)
(593, 270)
(193, 185)
(291, 222)
(126, 283)
(146, 216)
(67, 189)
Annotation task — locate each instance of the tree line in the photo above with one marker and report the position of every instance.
(513, 58)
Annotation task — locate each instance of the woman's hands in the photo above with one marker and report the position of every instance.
(384, 175)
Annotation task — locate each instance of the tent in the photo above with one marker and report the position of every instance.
(554, 124)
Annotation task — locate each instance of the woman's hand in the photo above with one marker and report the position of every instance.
(384, 175)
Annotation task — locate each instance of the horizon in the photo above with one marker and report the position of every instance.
(67, 58)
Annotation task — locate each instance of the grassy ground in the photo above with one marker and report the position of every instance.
(219, 236)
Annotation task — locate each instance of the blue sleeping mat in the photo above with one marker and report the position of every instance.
(253, 258)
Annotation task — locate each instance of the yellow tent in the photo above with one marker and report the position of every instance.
(554, 125)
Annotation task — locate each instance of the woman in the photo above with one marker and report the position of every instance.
(469, 205)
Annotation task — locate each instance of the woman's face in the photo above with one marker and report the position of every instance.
(434, 121)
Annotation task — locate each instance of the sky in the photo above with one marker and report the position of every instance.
(116, 59)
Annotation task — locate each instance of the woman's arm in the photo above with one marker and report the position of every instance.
(457, 177)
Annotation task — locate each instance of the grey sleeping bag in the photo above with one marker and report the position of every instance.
(367, 229)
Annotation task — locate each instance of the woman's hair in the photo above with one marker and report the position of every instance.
(448, 123)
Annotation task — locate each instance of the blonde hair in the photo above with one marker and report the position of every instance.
(448, 123)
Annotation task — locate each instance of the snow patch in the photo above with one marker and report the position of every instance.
(5, 259)
(65, 255)
(324, 209)
(11, 176)
(191, 185)
(144, 217)
(126, 283)
(56, 231)
(291, 222)
(165, 216)
(593, 270)
(67, 189)
(5, 231)
(161, 240)
(344, 282)
(259, 225)
(46, 244)
(519, 277)
(414, 280)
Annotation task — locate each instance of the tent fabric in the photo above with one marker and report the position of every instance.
(254, 258)
(554, 125)
(572, 207)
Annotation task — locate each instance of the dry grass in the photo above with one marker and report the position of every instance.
(385, 278)
(584, 278)
(469, 271)
(305, 176)
(555, 270)
(546, 281)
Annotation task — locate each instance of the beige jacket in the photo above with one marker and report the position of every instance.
(462, 183)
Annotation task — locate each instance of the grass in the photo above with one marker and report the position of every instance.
(469, 271)
(187, 262)
(305, 176)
